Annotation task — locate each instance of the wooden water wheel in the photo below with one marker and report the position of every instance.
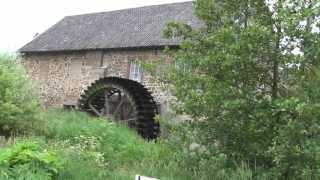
(123, 101)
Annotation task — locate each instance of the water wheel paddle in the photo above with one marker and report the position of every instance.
(123, 101)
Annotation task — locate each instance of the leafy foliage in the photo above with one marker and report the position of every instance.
(18, 102)
(28, 159)
(250, 74)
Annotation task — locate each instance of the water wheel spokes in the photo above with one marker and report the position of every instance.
(123, 101)
(96, 111)
(119, 106)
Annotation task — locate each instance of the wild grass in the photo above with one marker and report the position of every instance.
(91, 148)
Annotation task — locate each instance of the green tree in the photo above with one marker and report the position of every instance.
(19, 104)
(251, 72)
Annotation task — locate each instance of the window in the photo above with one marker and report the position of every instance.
(135, 72)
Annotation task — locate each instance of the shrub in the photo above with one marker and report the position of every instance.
(18, 103)
(27, 160)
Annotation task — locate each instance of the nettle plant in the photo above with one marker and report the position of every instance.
(253, 75)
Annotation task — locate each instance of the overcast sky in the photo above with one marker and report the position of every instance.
(20, 20)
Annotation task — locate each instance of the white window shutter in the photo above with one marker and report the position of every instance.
(135, 72)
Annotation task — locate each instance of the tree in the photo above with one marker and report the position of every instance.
(252, 72)
(18, 103)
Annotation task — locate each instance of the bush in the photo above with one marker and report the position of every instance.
(296, 148)
(18, 103)
(28, 160)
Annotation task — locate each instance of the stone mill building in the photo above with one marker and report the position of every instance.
(79, 50)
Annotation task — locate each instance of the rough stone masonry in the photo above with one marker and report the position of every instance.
(80, 49)
(62, 77)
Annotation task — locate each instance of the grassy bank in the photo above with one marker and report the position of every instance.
(84, 148)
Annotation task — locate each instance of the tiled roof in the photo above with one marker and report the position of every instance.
(129, 28)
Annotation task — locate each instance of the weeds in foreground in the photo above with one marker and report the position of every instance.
(79, 147)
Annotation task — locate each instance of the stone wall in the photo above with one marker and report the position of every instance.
(63, 76)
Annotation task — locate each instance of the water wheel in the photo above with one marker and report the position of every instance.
(123, 101)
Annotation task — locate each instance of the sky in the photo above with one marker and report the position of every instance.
(21, 20)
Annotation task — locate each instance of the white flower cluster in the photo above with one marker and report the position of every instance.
(85, 146)
(196, 148)
(90, 143)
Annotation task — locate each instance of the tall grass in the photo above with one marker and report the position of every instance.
(125, 154)
(91, 148)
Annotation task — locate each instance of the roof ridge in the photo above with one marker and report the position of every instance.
(126, 9)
